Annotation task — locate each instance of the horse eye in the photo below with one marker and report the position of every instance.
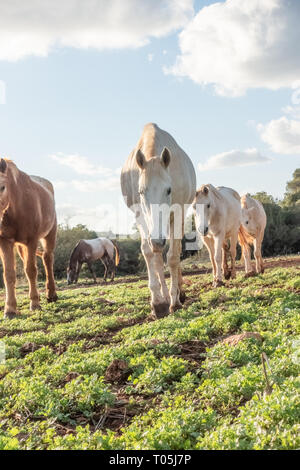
(168, 191)
(247, 222)
(2, 188)
(208, 206)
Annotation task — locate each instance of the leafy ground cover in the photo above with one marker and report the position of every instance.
(95, 371)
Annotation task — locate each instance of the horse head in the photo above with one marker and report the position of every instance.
(204, 206)
(71, 275)
(155, 188)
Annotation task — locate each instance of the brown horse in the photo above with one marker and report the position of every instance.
(27, 216)
(87, 251)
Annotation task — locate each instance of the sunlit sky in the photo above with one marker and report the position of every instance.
(77, 86)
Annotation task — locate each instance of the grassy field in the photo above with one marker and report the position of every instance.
(95, 371)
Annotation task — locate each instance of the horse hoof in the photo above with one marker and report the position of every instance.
(34, 306)
(52, 298)
(182, 297)
(10, 315)
(218, 283)
(160, 310)
(227, 275)
(250, 274)
(174, 308)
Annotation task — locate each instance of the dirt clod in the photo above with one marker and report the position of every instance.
(117, 372)
(233, 340)
(27, 348)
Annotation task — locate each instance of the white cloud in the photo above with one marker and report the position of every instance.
(89, 186)
(81, 165)
(103, 217)
(283, 135)
(233, 158)
(241, 44)
(35, 27)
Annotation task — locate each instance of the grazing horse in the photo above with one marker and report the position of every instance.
(158, 180)
(27, 212)
(254, 222)
(87, 251)
(218, 219)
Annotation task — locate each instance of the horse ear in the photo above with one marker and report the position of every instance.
(165, 157)
(3, 165)
(140, 159)
(205, 190)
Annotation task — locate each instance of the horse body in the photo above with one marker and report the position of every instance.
(254, 222)
(218, 219)
(87, 251)
(27, 210)
(157, 176)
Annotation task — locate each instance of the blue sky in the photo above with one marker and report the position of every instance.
(93, 103)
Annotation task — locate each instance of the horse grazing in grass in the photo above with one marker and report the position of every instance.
(218, 218)
(157, 180)
(254, 222)
(87, 251)
(27, 213)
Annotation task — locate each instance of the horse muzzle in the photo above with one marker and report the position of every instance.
(157, 243)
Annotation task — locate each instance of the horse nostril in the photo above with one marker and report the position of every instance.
(205, 230)
(158, 242)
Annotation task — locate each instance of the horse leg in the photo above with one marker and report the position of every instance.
(225, 251)
(174, 263)
(112, 269)
(159, 268)
(78, 269)
(257, 255)
(9, 275)
(31, 274)
(182, 296)
(209, 243)
(233, 242)
(160, 306)
(246, 253)
(103, 261)
(218, 260)
(48, 244)
(90, 266)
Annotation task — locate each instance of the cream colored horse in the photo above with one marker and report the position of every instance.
(218, 219)
(254, 222)
(157, 180)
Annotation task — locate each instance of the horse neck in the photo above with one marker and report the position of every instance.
(74, 257)
(14, 190)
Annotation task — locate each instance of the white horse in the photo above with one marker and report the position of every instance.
(254, 222)
(157, 180)
(218, 218)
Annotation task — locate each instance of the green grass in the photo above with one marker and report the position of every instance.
(178, 385)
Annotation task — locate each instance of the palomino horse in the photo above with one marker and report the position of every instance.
(254, 222)
(157, 180)
(218, 219)
(27, 212)
(87, 251)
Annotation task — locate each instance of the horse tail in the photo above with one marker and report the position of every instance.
(117, 259)
(244, 237)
